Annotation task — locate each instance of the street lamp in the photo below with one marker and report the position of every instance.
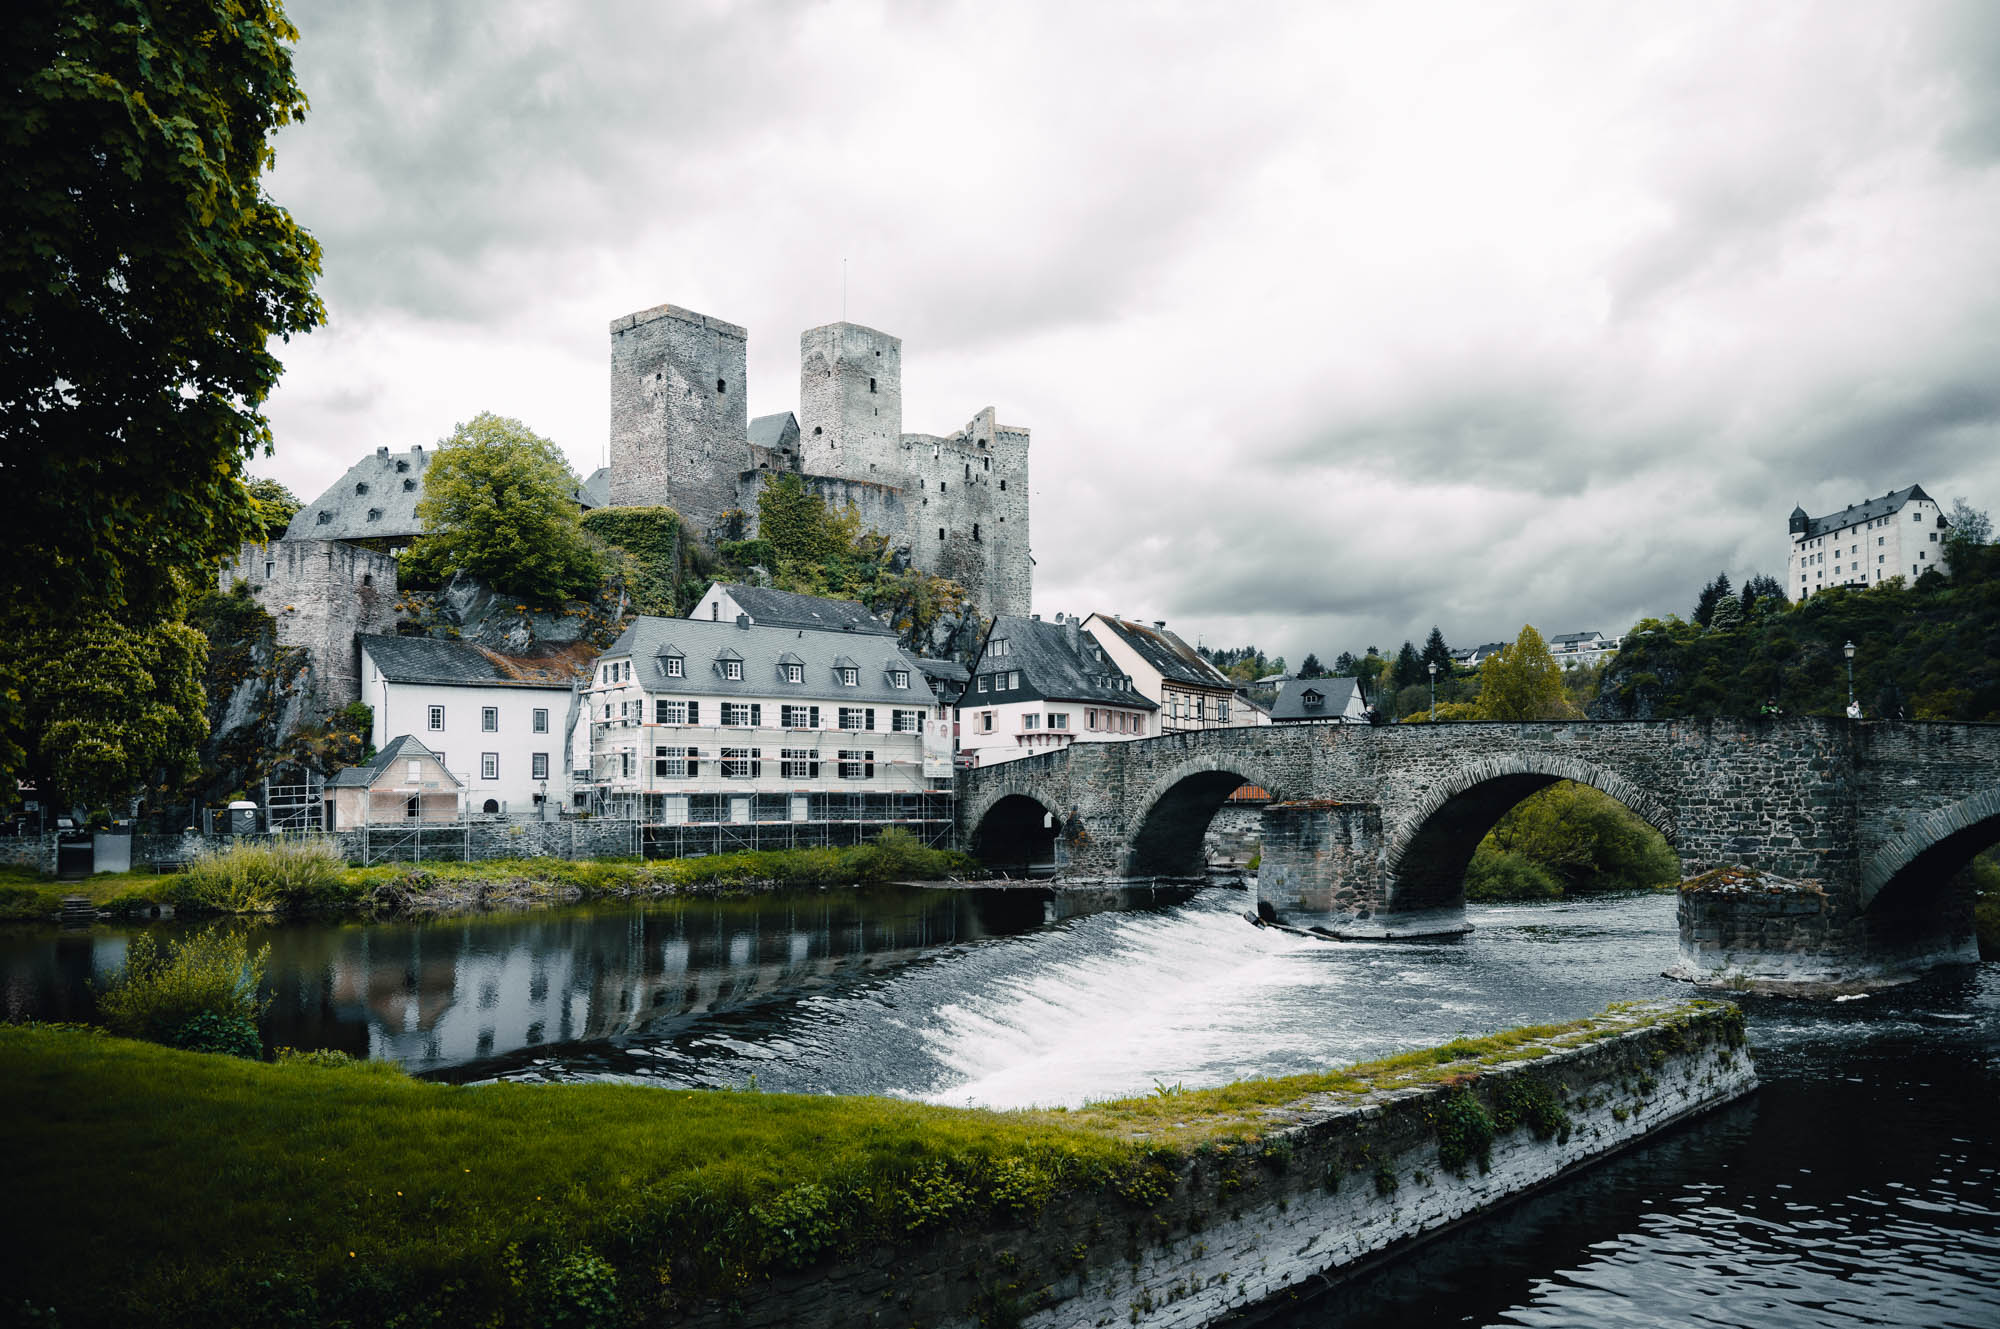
(1433, 667)
(1848, 651)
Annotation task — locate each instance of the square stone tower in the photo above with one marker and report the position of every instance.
(851, 403)
(680, 420)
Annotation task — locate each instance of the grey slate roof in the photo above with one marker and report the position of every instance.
(1335, 694)
(457, 663)
(1172, 657)
(1566, 638)
(774, 431)
(946, 677)
(595, 491)
(400, 748)
(762, 649)
(770, 608)
(374, 486)
(1859, 512)
(1049, 666)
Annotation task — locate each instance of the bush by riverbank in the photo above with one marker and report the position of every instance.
(177, 1188)
(304, 876)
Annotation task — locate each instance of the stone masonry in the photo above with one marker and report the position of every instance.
(320, 593)
(956, 503)
(1852, 828)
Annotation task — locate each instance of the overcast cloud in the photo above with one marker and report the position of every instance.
(1331, 321)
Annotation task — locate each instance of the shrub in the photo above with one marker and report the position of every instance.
(161, 995)
(252, 878)
(1498, 875)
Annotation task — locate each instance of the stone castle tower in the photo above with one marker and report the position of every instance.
(681, 437)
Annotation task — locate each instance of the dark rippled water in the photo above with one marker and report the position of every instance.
(1860, 1185)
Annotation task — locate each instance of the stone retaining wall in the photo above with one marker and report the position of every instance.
(1332, 1184)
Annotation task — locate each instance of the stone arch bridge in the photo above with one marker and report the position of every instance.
(1815, 851)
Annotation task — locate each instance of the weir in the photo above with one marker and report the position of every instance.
(1235, 1213)
(1813, 851)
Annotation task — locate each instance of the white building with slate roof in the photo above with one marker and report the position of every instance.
(509, 729)
(1037, 687)
(1900, 534)
(696, 720)
(1191, 692)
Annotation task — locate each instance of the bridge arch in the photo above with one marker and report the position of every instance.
(1923, 857)
(1433, 843)
(1015, 824)
(1173, 814)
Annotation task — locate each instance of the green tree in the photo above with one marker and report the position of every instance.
(499, 504)
(111, 709)
(1762, 594)
(1704, 605)
(1345, 665)
(1312, 667)
(276, 506)
(1727, 614)
(144, 276)
(1584, 839)
(1437, 653)
(1523, 682)
(1966, 538)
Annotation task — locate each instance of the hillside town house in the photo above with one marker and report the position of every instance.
(1900, 534)
(508, 729)
(1189, 691)
(700, 721)
(404, 783)
(1037, 687)
(1326, 700)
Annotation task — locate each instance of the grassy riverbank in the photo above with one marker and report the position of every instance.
(256, 879)
(168, 1187)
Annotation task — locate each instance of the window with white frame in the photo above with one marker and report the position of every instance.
(740, 763)
(1058, 719)
(676, 667)
(850, 676)
(907, 722)
(1013, 678)
(675, 762)
(489, 765)
(795, 673)
(732, 670)
(489, 719)
(437, 717)
(673, 712)
(984, 679)
(739, 714)
(800, 717)
(899, 678)
(799, 764)
(541, 720)
(538, 766)
(986, 722)
(857, 764)
(999, 646)
(1031, 721)
(857, 717)
(625, 763)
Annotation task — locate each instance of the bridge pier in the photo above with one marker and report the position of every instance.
(1324, 866)
(1754, 931)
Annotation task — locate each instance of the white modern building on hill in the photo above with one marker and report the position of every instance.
(508, 729)
(1900, 534)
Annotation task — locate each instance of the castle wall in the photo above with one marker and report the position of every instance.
(680, 423)
(320, 593)
(851, 402)
(968, 509)
(882, 506)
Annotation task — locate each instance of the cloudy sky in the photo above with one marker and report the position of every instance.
(1331, 321)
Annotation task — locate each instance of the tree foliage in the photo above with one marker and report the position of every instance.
(144, 275)
(1580, 839)
(1242, 664)
(1435, 652)
(1523, 682)
(500, 505)
(1762, 594)
(646, 549)
(1312, 668)
(1711, 595)
(275, 506)
(109, 707)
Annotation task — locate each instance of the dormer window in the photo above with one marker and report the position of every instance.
(1312, 699)
(673, 666)
(732, 670)
(849, 676)
(402, 466)
(374, 514)
(361, 487)
(325, 517)
(794, 673)
(899, 678)
(409, 485)
(999, 646)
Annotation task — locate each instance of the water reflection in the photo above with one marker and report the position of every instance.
(467, 994)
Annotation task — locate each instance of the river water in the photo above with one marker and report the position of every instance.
(1860, 1185)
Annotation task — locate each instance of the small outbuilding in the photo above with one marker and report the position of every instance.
(404, 784)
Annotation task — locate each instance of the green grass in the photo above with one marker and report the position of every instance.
(261, 879)
(176, 1188)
